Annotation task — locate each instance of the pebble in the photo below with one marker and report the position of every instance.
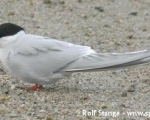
(3, 112)
(47, 1)
(107, 26)
(84, 16)
(124, 94)
(122, 105)
(79, 1)
(13, 115)
(6, 91)
(100, 9)
(13, 87)
(144, 29)
(103, 106)
(130, 36)
(62, 2)
(2, 99)
(133, 13)
(22, 98)
(42, 111)
(49, 117)
(146, 81)
(131, 88)
(11, 13)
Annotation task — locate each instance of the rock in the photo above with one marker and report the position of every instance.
(2, 99)
(42, 111)
(107, 26)
(13, 87)
(3, 112)
(62, 2)
(124, 94)
(100, 9)
(133, 13)
(6, 91)
(84, 16)
(49, 117)
(146, 81)
(47, 1)
(13, 115)
(11, 13)
(131, 88)
(144, 29)
(130, 36)
(103, 106)
(122, 105)
(79, 1)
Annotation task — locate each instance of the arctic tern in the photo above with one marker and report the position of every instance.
(43, 60)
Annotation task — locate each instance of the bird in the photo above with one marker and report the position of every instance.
(43, 60)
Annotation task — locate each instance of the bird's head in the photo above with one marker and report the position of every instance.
(8, 33)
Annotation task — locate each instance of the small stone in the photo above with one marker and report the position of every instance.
(66, 22)
(13, 87)
(85, 98)
(79, 1)
(130, 36)
(28, 114)
(47, 1)
(89, 116)
(100, 9)
(31, 3)
(42, 111)
(32, 15)
(133, 13)
(117, 43)
(13, 115)
(65, 112)
(107, 25)
(144, 29)
(122, 85)
(86, 34)
(124, 94)
(84, 16)
(49, 117)
(128, 43)
(22, 105)
(11, 13)
(3, 112)
(122, 105)
(144, 90)
(62, 2)
(2, 99)
(6, 91)
(103, 106)
(131, 88)
(1, 70)
(147, 81)
(71, 9)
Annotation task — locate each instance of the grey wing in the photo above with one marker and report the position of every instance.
(45, 56)
(106, 61)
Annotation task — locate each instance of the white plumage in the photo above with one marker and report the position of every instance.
(43, 60)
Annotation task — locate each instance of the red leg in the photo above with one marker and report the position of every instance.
(35, 87)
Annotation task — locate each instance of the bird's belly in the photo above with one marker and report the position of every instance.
(23, 73)
(28, 71)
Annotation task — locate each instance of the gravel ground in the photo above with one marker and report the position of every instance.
(106, 26)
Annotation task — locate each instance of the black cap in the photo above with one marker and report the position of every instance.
(8, 29)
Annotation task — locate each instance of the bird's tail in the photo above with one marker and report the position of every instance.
(106, 61)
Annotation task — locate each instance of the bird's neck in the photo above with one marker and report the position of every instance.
(9, 40)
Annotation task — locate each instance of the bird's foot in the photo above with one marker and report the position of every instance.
(36, 87)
